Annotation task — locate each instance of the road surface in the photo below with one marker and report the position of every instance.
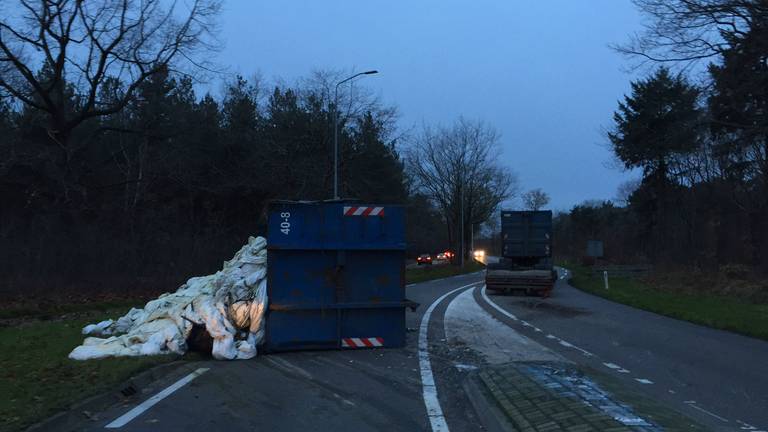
(716, 378)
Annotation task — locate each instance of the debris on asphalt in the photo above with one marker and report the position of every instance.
(229, 305)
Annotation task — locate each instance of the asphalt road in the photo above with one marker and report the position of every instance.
(714, 377)
(415, 265)
(360, 390)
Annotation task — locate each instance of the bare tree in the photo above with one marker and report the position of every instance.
(80, 44)
(535, 199)
(686, 31)
(461, 161)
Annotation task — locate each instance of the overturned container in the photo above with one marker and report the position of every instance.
(336, 276)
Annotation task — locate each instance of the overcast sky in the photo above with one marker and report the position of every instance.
(540, 71)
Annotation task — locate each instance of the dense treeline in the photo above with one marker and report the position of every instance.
(171, 185)
(702, 148)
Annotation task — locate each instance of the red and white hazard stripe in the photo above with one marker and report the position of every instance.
(364, 211)
(362, 342)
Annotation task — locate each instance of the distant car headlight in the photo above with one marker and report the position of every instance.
(479, 254)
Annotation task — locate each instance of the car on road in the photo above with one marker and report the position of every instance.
(424, 259)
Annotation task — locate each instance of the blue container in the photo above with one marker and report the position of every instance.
(336, 276)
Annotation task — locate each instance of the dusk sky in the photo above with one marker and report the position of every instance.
(541, 72)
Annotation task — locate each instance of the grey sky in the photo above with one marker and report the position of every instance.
(540, 71)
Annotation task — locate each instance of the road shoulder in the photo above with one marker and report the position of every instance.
(526, 386)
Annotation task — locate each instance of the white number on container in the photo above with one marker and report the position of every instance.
(285, 226)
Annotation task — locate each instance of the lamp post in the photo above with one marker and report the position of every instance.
(336, 130)
(461, 261)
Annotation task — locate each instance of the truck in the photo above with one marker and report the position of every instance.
(525, 262)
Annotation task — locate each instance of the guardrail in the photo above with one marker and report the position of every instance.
(622, 270)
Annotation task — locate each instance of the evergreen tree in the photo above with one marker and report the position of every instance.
(654, 126)
(656, 123)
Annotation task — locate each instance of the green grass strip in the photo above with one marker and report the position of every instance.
(431, 272)
(718, 312)
(38, 380)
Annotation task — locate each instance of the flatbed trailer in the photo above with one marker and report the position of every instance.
(530, 282)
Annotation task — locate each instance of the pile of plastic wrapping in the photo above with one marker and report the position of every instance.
(228, 305)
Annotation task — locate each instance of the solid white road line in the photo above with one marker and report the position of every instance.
(147, 404)
(429, 390)
(484, 294)
(497, 307)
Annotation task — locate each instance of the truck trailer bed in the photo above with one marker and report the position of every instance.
(530, 281)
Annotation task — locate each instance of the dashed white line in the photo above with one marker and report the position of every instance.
(615, 367)
(749, 427)
(429, 390)
(693, 405)
(149, 403)
(484, 294)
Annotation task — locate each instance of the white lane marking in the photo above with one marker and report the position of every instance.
(643, 381)
(348, 402)
(615, 367)
(429, 390)
(748, 427)
(484, 294)
(147, 404)
(692, 404)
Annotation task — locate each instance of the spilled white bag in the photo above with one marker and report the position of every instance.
(230, 304)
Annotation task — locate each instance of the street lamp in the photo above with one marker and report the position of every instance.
(336, 130)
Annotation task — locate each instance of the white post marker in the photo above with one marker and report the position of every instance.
(149, 403)
(429, 389)
(605, 278)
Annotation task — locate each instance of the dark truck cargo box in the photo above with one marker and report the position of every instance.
(526, 256)
(526, 234)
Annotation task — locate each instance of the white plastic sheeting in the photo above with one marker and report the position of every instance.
(230, 304)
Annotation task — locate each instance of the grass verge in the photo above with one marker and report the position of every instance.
(36, 377)
(49, 311)
(427, 273)
(714, 311)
